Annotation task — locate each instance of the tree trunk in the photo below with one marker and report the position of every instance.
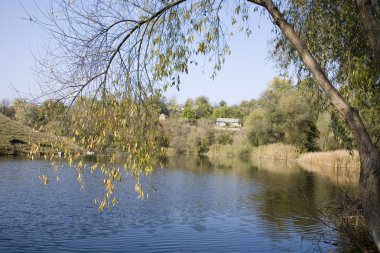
(370, 193)
(369, 153)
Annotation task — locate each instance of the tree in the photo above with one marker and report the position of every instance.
(188, 111)
(6, 108)
(336, 33)
(202, 107)
(284, 115)
(369, 153)
(131, 48)
(29, 114)
(222, 112)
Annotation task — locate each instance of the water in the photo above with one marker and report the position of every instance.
(193, 205)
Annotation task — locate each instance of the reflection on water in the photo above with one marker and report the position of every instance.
(194, 205)
(340, 175)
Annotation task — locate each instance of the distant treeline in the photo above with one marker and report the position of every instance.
(285, 113)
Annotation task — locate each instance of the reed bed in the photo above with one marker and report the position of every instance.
(333, 159)
(341, 166)
(277, 151)
(229, 150)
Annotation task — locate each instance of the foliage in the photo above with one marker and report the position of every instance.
(6, 108)
(28, 114)
(188, 111)
(178, 132)
(225, 111)
(200, 139)
(18, 139)
(326, 140)
(283, 115)
(130, 49)
(334, 32)
(202, 107)
(188, 138)
(198, 109)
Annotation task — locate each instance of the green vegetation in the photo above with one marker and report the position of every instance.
(120, 55)
(339, 35)
(18, 139)
(284, 116)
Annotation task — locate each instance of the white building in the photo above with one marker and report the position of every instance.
(228, 122)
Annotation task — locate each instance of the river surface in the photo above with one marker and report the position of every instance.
(193, 205)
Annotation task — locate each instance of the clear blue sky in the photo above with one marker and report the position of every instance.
(244, 75)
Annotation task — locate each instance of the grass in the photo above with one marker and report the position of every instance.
(333, 159)
(17, 139)
(229, 150)
(341, 166)
(277, 151)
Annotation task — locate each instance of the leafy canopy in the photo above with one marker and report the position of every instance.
(112, 60)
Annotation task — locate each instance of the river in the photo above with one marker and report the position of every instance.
(192, 205)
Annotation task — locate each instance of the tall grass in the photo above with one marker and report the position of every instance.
(229, 150)
(277, 151)
(333, 159)
(341, 166)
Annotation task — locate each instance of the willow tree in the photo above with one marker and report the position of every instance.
(131, 49)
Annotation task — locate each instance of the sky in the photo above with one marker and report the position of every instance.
(244, 76)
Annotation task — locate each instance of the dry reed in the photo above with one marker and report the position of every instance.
(333, 159)
(277, 151)
(229, 150)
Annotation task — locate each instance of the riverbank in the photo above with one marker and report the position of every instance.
(18, 139)
(334, 159)
(341, 166)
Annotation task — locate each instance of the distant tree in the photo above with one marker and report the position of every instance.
(201, 137)
(162, 103)
(222, 103)
(202, 107)
(283, 116)
(189, 111)
(172, 105)
(245, 107)
(29, 114)
(6, 108)
(223, 112)
(178, 133)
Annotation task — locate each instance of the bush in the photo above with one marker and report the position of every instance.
(346, 215)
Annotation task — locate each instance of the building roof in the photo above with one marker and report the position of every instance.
(228, 120)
